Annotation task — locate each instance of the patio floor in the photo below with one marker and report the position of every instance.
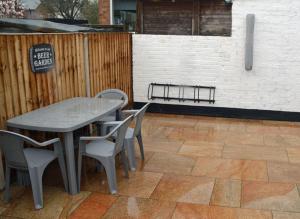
(195, 167)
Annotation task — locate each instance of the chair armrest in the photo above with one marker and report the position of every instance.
(95, 138)
(107, 126)
(92, 138)
(32, 141)
(41, 144)
(112, 123)
(49, 142)
(125, 113)
(131, 112)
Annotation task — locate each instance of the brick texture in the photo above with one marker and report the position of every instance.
(104, 12)
(274, 82)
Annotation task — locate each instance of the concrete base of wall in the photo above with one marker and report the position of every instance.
(221, 112)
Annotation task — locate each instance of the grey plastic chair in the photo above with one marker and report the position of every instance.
(105, 151)
(113, 94)
(30, 159)
(132, 133)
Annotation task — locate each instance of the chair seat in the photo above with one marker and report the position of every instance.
(108, 118)
(38, 157)
(102, 148)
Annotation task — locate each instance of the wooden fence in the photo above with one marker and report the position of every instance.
(85, 64)
(110, 62)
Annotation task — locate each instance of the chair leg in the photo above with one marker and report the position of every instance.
(99, 167)
(61, 162)
(36, 174)
(129, 145)
(7, 195)
(140, 140)
(79, 170)
(110, 169)
(124, 163)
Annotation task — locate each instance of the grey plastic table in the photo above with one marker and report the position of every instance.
(65, 117)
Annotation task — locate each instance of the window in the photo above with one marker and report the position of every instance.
(184, 17)
(125, 13)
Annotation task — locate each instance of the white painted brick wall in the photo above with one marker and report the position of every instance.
(274, 82)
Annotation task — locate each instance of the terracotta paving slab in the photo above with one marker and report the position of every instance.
(157, 132)
(191, 211)
(284, 172)
(236, 138)
(293, 154)
(170, 163)
(201, 149)
(186, 134)
(212, 124)
(2, 209)
(270, 196)
(274, 140)
(139, 184)
(260, 128)
(162, 145)
(254, 153)
(55, 199)
(16, 193)
(227, 193)
(290, 130)
(94, 206)
(292, 140)
(285, 215)
(237, 125)
(130, 207)
(217, 136)
(184, 122)
(184, 189)
(231, 169)
(208, 167)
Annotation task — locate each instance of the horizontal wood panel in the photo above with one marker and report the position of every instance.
(164, 17)
(215, 18)
(184, 17)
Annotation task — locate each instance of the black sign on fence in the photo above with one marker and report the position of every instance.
(42, 58)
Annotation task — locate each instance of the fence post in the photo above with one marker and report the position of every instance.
(86, 64)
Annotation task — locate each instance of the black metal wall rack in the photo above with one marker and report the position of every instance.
(181, 92)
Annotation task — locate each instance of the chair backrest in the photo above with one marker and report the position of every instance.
(121, 133)
(114, 94)
(139, 118)
(12, 145)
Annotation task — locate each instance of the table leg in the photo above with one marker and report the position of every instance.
(70, 160)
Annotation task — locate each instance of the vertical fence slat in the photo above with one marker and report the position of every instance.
(13, 75)
(21, 90)
(20, 75)
(6, 79)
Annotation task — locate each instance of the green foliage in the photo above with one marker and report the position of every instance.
(90, 12)
(68, 9)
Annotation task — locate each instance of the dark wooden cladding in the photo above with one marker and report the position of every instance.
(184, 17)
(215, 18)
(163, 18)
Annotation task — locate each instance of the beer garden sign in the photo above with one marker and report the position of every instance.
(42, 58)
